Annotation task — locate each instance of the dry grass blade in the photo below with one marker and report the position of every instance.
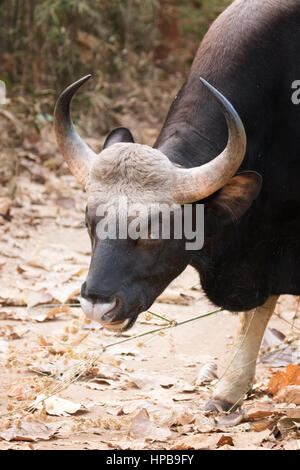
(74, 372)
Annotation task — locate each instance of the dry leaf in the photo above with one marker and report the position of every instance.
(289, 394)
(184, 387)
(286, 426)
(56, 406)
(65, 293)
(80, 272)
(161, 414)
(148, 382)
(202, 442)
(293, 413)
(225, 440)
(258, 411)
(275, 352)
(13, 332)
(40, 297)
(41, 317)
(142, 427)
(204, 424)
(290, 376)
(231, 419)
(272, 337)
(104, 371)
(13, 316)
(18, 391)
(54, 368)
(259, 426)
(11, 297)
(21, 270)
(207, 373)
(23, 430)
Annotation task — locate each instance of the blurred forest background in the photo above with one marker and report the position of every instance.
(138, 51)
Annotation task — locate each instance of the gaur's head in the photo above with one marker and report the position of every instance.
(131, 266)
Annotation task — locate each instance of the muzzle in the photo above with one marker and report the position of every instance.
(105, 313)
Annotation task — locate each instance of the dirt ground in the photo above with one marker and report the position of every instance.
(142, 394)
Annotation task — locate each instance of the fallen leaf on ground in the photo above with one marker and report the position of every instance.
(41, 317)
(225, 440)
(276, 353)
(126, 445)
(101, 384)
(57, 406)
(272, 337)
(148, 382)
(40, 297)
(65, 293)
(290, 376)
(286, 426)
(21, 270)
(289, 394)
(184, 387)
(203, 442)
(258, 411)
(293, 413)
(207, 373)
(11, 298)
(103, 371)
(13, 332)
(13, 316)
(261, 425)
(18, 391)
(231, 419)
(55, 368)
(142, 427)
(203, 424)
(23, 430)
(148, 405)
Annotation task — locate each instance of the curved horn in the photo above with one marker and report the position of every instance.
(194, 184)
(75, 151)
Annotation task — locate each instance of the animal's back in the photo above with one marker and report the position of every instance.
(252, 55)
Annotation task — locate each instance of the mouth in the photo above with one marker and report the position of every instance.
(106, 314)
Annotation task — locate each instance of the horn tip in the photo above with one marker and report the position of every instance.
(207, 84)
(85, 78)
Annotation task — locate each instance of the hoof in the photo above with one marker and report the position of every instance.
(219, 406)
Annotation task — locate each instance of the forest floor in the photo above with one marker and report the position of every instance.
(143, 394)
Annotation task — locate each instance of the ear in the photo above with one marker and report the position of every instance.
(121, 134)
(235, 198)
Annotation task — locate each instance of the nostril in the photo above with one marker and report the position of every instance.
(104, 312)
(112, 313)
(95, 295)
(92, 296)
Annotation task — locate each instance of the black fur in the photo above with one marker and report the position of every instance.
(252, 55)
